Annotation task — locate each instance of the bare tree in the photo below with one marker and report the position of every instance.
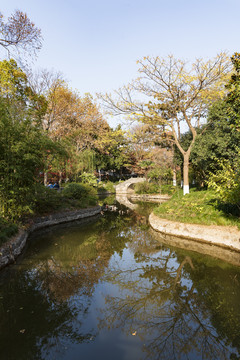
(46, 83)
(19, 34)
(173, 96)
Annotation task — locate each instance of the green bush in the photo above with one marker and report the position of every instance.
(6, 230)
(147, 188)
(46, 200)
(88, 178)
(225, 182)
(79, 191)
(154, 188)
(110, 187)
(168, 189)
(106, 187)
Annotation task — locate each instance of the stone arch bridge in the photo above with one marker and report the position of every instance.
(123, 188)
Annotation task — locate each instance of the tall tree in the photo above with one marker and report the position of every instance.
(15, 90)
(179, 97)
(22, 149)
(19, 34)
(233, 96)
(226, 180)
(42, 84)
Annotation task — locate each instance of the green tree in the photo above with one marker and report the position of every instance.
(226, 180)
(22, 148)
(218, 141)
(233, 96)
(15, 89)
(179, 96)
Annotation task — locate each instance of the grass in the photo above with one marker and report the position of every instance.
(198, 207)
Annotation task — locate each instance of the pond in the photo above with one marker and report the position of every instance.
(108, 289)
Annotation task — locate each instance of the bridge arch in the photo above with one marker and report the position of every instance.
(123, 187)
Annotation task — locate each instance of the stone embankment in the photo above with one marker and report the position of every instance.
(150, 197)
(14, 247)
(195, 236)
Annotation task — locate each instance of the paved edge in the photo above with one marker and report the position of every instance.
(152, 197)
(221, 236)
(14, 247)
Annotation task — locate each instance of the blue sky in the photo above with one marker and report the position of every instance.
(96, 43)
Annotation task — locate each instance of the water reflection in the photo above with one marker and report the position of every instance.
(177, 305)
(107, 288)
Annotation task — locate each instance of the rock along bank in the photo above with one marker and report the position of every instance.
(10, 250)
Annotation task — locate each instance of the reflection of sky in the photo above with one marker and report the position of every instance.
(123, 306)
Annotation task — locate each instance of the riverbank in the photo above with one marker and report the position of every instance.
(150, 197)
(198, 216)
(199, 207)
(10, 250)
(227, 237)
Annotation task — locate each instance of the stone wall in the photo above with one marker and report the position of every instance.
(150, 197)
(14, 247)
(221, 236)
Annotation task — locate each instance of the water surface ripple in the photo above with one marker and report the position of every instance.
(107, 289)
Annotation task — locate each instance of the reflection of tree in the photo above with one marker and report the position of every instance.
(74, 266)
(160, 304)
(79, 275)
(44, 302)
(179, 304)
(221, 297)
(30, 324)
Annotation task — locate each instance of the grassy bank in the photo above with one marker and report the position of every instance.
(198, 207)
(49, 201)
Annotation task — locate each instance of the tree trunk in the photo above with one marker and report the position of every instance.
(174, 176)
(185, 174)
(45, 178)
(60, 179)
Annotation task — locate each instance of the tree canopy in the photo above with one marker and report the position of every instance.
(173, 96)
(19, 34)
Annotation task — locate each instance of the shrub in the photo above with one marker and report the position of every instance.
(78, 191)
(154, 188)
(226, 182)
(46, 199)
(147, 188)
(168, 189)
(88, 178)
(106, 187)
(6, 230)
(110, 187)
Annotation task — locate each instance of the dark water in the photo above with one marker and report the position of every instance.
(107, 290)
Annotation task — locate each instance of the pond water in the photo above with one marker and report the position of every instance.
(107, 289)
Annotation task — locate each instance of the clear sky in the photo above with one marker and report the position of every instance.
(96, 43)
